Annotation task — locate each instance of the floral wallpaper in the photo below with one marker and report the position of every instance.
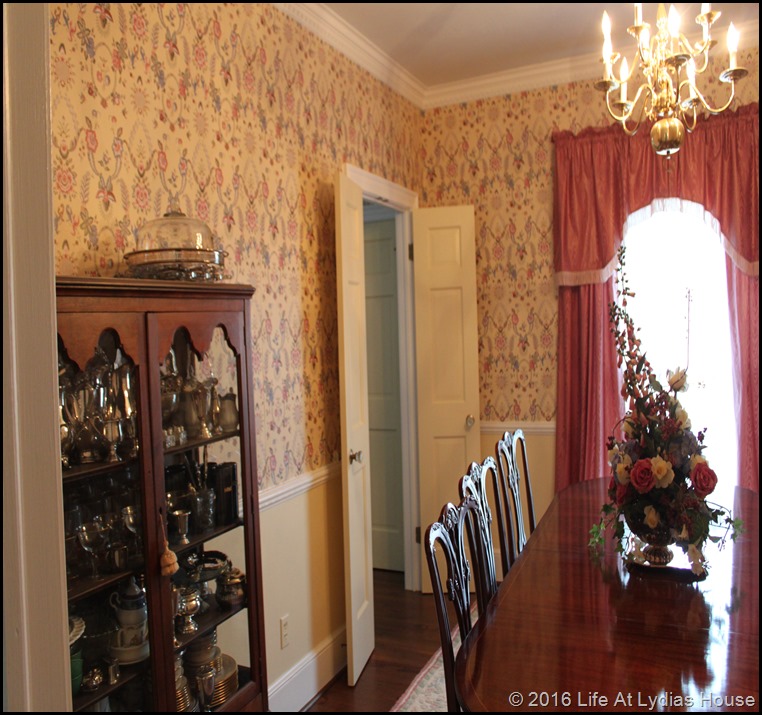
(240, 117)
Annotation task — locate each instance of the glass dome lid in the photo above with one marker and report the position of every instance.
(175, 230)
(176, 247)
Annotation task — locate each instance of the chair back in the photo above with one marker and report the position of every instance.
(447, 535)
(514, 472)
(475, 484)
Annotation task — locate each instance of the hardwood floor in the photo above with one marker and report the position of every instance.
(406, 637)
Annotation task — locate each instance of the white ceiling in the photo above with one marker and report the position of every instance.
(438, 53)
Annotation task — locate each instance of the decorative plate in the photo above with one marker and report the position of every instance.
(76, 629)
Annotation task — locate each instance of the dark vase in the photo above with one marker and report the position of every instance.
(658, 540)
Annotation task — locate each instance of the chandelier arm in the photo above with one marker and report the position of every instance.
(632, 67)
(683, 46)
(634, 130)
(702, 69)
(626, 116)
(640, 53)
(694, 51)
(709, 108)
(628, 108)
(689, 120)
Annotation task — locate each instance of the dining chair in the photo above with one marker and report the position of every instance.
(447, 535)
(514, 476)
(476, 483)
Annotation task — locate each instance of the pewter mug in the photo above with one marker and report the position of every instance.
(228, 412)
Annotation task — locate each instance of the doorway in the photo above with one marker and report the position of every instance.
(384, 199)
(381, 300)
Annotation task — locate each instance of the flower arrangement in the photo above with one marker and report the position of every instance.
(660, 480)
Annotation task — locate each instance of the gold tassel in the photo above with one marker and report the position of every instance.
(168, 560)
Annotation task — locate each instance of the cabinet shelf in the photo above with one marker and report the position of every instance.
(192, 444)
(81, 472)
(80, 588)
(195, 540)
(207, 621)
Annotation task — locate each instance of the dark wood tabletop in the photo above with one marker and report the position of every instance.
(572, 629)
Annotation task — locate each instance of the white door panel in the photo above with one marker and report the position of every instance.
(447, 356)
(355, 439)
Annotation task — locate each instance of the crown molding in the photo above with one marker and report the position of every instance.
(329, 27)
(523, 79)
(325, 24)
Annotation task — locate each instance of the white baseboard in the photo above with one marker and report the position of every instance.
(296, 687)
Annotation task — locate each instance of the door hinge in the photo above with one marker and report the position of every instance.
(417, 534)
(410, 251)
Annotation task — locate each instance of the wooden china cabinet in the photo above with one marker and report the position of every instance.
(155, 471)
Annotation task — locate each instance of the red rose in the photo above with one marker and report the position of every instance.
(641, 477)
(704, 479)
(622, 491)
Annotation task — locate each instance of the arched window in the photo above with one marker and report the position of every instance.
(675, 264)
(601, 176)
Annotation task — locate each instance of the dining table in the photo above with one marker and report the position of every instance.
(575, 627)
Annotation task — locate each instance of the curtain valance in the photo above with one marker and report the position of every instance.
(603, 176)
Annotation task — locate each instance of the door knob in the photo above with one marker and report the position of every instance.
(470, 421)
(355, 456)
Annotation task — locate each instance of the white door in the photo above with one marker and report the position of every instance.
(447, 354)
(355, 440)
(384, 392)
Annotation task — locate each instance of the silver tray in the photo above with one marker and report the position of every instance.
(176, 264)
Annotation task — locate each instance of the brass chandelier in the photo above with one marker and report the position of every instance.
(668, 63)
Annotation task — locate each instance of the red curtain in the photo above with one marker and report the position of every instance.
(603, 176)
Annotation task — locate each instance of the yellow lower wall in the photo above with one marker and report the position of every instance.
(303, 576)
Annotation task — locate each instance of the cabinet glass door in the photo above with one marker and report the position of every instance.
(205, 446)
(101, 432)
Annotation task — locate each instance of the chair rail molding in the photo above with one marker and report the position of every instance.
(530, 428)
(292, 488)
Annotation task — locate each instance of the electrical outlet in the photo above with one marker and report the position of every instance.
(284, 631)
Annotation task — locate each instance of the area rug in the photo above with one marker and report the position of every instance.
(427, 694)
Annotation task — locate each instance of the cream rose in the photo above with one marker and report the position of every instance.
(623, 469)
(651, 519)
(682, 417)
(662, 471)
(677, 380)
(696, 558)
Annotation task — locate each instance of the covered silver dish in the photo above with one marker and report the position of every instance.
(176, 247)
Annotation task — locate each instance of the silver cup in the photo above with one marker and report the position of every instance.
(181, 519)
(205, 678)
